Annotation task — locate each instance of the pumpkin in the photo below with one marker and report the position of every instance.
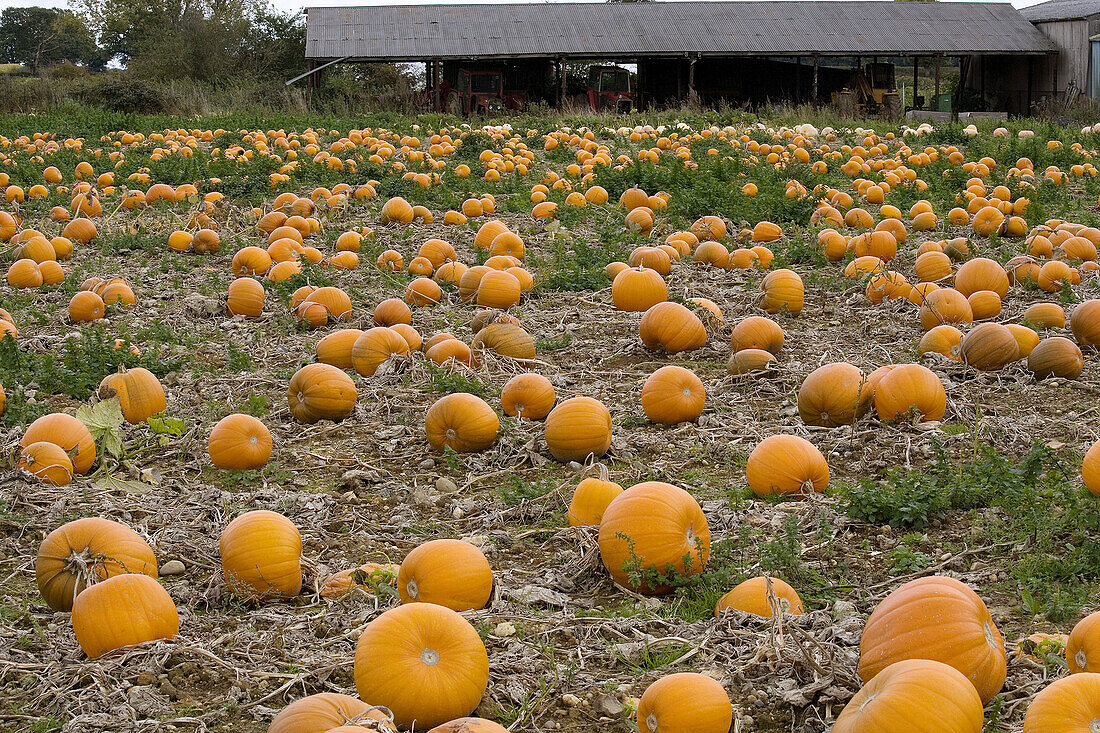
(321, 392)
(391, 260)
(488, 232)
(1085, 324)
(324, 711)
(527, 395)
(685, 702)
(397, 210)
(450, 349)
(757, 332)
(943, 339)
(1053, 275)
(912, 623)
(139, 393)
(1056, 357)
(673, 395)
(87, 551)
(1083, 646)
(86, 306)
(709, 228)
(472, 725)
(782, 289)
(909, 387)
(470, 281)
(52, 272)
(391, 311)
(499, 289)
(989, 347)
(638, 289)
(423, 291)
(245, 297)
(833, 395)
(450, 573)
(437, 252)
(506, 339)
(591, 498)
(766, 231)
(945, 305)
(450, 272)
(47, 462)
(1026, 339)
(121, 611)
(786, 464)
(750, 361)
(463, 422)
(672, 328)
(365, 576)
(80, 230)
(912, 695)
(261, 553)
(651, 257)
(1045, 315)
(375, 347)
(981, 273)
(67, 432)
(410, 334)
(984, 304)
(335, 349)
(1068, 705)
(239, 442)
(751, 596)
(712, 253)
(577, 428)
(651, 531)
(423, 662)
(335, 301)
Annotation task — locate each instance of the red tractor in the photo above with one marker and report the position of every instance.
(478, 92)
(609, 89)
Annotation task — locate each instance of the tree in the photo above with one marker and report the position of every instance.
(37, 37)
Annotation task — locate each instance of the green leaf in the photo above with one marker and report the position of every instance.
(166, 425)
(112, 443)
(101, 417)
(114, 483)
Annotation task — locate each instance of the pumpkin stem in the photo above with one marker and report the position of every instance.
(651, 722)
(429, 657)
(1081, 659)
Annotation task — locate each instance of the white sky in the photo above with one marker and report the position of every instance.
(287, 5)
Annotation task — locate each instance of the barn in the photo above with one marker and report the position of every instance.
(740, 53)
(1074, 27)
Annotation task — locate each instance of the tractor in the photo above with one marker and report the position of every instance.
(609, 89)
(477, 92)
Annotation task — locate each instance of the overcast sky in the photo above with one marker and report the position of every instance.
(298, 4)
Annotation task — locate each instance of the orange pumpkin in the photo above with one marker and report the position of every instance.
(672, 328)
(1068, 705)
(1026, 339)
(673, 395)
(451, 573)
(67, 432)
(981, 273)
(752, 596)
(121, 611)
(910, 622)
(245, 297)
(638, 289)
(685, 701)
(471, 725)
(261, 553)
(423, 291)
(782, 289)
(945, 305)
(391, 311)
(943, 339)
(463, 422)
(989, 347)
(1056, 357)
(650, 530)
(47, 462)
(908, 696)
(1085, 324)
(910, 387)
(1045, 315)
(376, 347)
(757, 332)
(527, 395)
(590, 499)
(786, 464)
(1083, 646)
(577, 428)
(335, 349)
(751, 362)
(139, 392)
(423, 662)
(506, 339)
(324, 711)
(87, 551)
(86, 306)
(833, 395)
(239, 442)
(321, 392)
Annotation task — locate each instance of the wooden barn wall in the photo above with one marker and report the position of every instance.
(1072, 39)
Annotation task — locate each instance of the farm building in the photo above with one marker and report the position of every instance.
(742, 53)
(1074, 27)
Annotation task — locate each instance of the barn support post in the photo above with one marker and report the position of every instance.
(311, 80)
(693, 98)
(981, 66)
(1053, 63)
(436, 65)
(814, 95)
(560, 66)
(679, 82)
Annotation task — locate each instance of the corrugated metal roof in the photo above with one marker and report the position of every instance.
(636, 29)
(1061, 10)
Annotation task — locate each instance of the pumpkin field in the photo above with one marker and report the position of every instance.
(694, 422)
